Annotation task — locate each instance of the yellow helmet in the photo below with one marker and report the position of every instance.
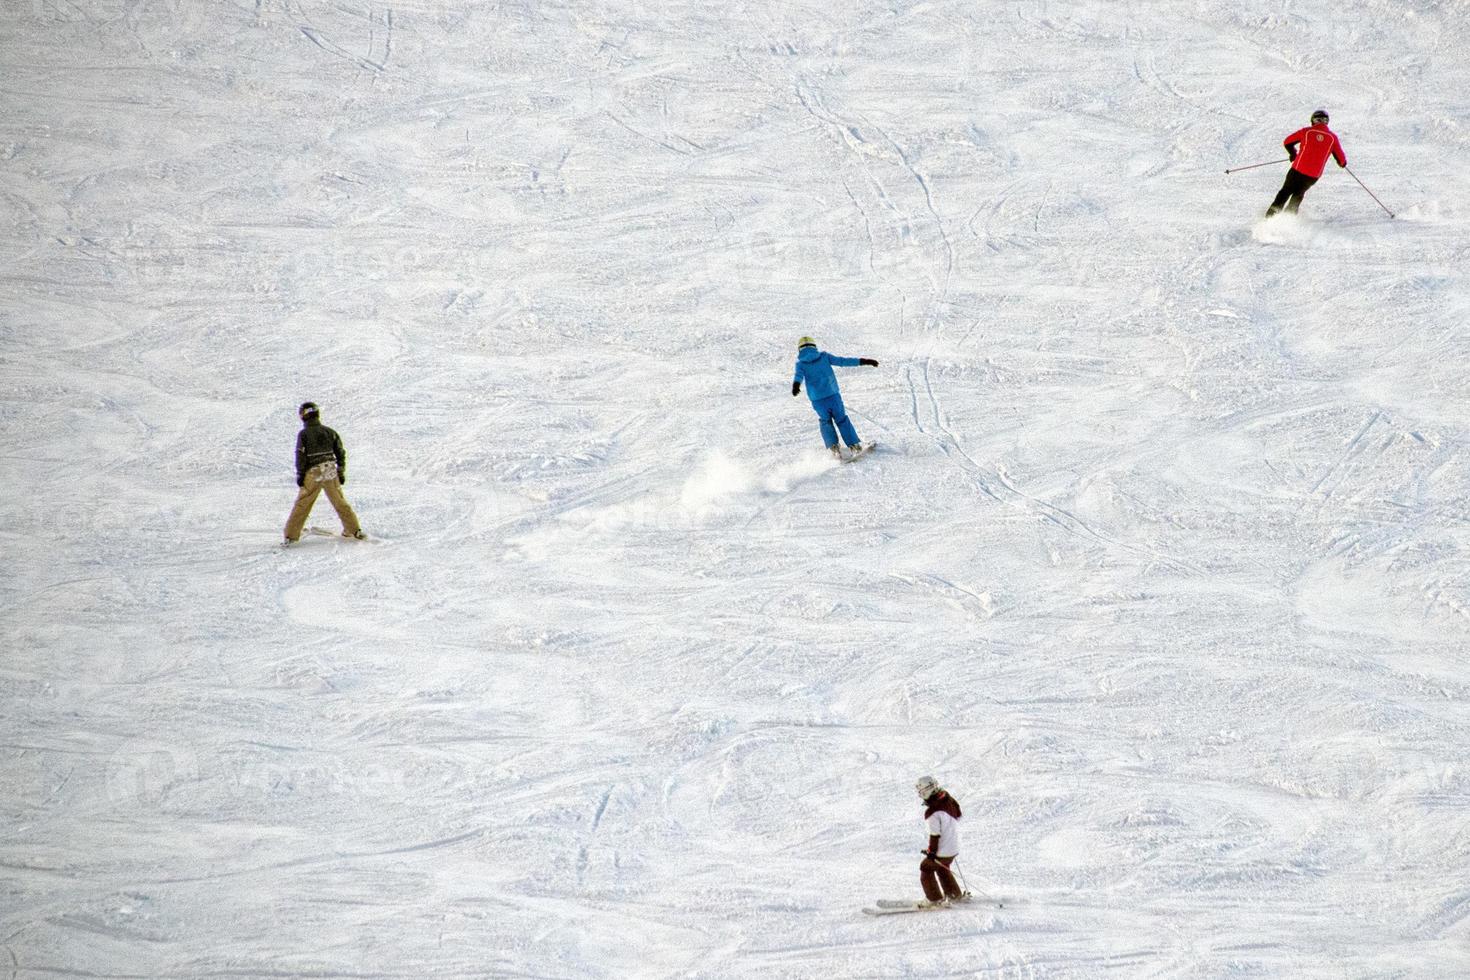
(805, 342)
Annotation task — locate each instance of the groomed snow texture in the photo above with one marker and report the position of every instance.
(1160, 565)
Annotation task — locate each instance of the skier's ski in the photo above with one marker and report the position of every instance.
(323, 532)
(896, 906)
(899, 908)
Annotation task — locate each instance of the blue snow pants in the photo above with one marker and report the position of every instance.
(834, 418)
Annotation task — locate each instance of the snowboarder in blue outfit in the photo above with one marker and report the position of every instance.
(815, 368)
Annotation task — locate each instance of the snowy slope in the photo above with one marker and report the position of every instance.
(1160, 567)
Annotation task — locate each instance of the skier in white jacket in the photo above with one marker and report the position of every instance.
(942, 815)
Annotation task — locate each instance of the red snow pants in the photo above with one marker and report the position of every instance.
(935, 876)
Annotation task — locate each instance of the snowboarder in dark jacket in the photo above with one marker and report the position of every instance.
(814, 367)
(321, 465)
(1309, 149)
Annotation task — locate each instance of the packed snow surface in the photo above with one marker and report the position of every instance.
(1160, 565)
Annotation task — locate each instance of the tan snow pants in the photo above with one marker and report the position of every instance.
(322, 476)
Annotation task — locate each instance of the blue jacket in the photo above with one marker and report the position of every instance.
(814, 371)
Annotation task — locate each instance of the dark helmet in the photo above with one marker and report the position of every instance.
(308, 410)
(1319, 116)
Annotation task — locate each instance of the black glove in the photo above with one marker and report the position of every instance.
(301, 481)
(1291, 154)
(341, 478)
(795, 388)
(867, 362)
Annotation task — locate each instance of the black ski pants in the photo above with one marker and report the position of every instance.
(1293, 189)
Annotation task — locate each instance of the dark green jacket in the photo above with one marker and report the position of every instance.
(316, 443)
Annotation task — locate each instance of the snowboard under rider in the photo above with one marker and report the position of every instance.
(321, 465)
(942, 815)
(1309, 149)
(814, 367)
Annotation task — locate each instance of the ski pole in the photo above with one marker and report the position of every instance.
(963, 883)
(1365, 187)
(999, 903)
(1268, 163)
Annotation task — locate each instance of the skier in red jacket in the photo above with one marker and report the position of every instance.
(1309, 149)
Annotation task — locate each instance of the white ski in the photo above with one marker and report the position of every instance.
(323, 532)
(891, 907)
(897, 906)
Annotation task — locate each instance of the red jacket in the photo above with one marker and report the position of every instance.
(941, 801)
(1316, 143)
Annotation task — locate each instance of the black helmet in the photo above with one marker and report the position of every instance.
(307, 409)
(1319, 115)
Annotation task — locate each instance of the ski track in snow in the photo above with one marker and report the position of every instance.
(1158, 565)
